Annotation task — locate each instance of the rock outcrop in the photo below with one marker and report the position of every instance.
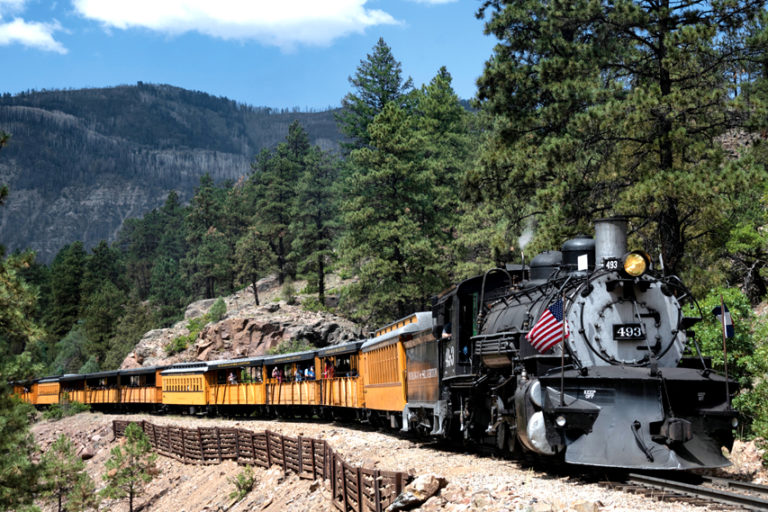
(245, 331)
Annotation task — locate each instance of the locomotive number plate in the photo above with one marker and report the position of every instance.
(628, 332)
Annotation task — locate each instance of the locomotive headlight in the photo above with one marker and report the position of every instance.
(560, 421)
(734, 422)
(635, 264)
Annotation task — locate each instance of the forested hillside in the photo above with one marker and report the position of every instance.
(83, 161)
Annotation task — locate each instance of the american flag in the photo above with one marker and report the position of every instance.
(548, 331)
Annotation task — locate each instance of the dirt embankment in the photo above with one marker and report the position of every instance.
(472, 482)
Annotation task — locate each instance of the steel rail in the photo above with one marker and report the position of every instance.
(698, 491)
(736, 484)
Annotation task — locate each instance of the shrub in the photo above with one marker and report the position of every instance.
(64, 409)
(288, 293)
(289, 346)
(243, 482)
(217, 311)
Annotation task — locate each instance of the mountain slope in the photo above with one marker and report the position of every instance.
(80, 162)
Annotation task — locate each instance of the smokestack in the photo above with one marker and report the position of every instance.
(610, 238)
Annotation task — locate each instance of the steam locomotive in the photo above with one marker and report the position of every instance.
(619, 387)
(584, 354)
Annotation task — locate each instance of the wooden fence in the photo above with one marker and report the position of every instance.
(354, 488)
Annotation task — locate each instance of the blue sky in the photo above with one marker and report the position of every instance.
(275, 53)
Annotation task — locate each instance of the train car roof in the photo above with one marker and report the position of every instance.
(389, 334)
(69, 377)
(99, 375)
(235, 363)
(341, 349)
(48, 379)
(141, 370)
(185, 370)
(296, 357)
(193, 367)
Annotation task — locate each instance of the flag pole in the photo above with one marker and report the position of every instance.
(562, 360)
(725, 350)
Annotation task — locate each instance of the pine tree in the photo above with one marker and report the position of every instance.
(315, 221)
(377, 82)
(63, 473)
(253, 259)
(130, 467)
(273, 185)
(388, 217)
(66, 293)
(613, 107)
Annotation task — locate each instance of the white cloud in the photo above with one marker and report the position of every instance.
(433, 2)
(30, 33)
(281, 23)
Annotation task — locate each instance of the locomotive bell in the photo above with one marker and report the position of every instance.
(610, 238)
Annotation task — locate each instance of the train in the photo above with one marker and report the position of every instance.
(583, 355)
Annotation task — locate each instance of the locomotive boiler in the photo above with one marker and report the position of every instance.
(585, 354)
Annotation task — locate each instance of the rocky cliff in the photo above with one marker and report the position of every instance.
(80, 162)
(245, 331)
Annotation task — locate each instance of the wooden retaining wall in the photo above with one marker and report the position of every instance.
(353, 488)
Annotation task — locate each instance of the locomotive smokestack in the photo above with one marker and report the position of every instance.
(610, 238)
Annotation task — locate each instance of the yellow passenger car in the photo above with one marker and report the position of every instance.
(46, 391)
(102, 389)
(287, 383)
(72, 388)
(23, 390)
(186, 385)
(141, 385)
(384, 363)
(340, 381)
(237, 383)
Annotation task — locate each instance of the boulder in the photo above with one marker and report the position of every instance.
(417, 492)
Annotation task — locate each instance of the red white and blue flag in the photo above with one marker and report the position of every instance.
(548, 331)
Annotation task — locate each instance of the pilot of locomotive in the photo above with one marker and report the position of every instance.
(617, 391)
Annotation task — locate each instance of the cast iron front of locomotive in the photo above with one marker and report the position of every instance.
(620, 320)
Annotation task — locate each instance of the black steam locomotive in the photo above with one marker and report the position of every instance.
(624, 388)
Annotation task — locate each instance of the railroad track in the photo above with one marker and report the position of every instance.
(708, 490)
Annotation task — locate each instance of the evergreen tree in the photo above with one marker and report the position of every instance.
(19, 475)
(71, 352)
(388, 218)
(613, 107)
(66, 281)
(207, 261)
(315, 220)
(130, 467)
(101, 312)
(83, 496)
(63, 471)
(445, 127)
(273, 184)
(211, 262)
(136, 320)
(253, 258)
(377, 82)
(168, 293)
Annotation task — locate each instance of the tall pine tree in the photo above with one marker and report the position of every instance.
(377, 82)
(613, 107)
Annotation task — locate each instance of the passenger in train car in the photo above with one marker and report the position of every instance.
(328, 371)
(309, 373)
(299, 374)
(231, 379)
